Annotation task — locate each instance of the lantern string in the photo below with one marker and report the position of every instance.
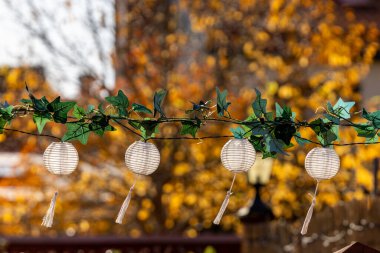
(309, 212)
(225, 203)
(47, 221)
(125, 205)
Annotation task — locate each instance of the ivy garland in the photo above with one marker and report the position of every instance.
(269, 132)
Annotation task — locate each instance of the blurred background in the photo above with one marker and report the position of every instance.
(301, 53)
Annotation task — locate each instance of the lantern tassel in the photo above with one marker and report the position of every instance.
(125, 205)
(47, 221)
(309, 212)
(224, 204)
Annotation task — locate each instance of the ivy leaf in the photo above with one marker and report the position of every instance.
(158, 100)
(5, 116)
(326, 133)
(26, 101)
(39, 105)
(222, 104)
(120, 101)
(301, 141)
(77, 131)
(40, 119)
(100, 124)
(238, 132)
(365, 130)
(284, 131)
(190, 127)
(140, 108)
(3, 122)
(60, 109)
(274, 145)
(374, 117)
(259, 105)
(332, 118)
(79, 112)
(342, 109)
(258, 143)
(148, 128)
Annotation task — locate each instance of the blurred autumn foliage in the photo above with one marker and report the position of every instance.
(300, 53)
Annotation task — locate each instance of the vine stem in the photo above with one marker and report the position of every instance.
(30, 133)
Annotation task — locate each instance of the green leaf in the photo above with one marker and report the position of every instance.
(301, 141)
(79, 112)
(284, 131)
(374, 117)
(39, 105)
(100, 124)
(279, 110)
(5, 116)
(326, 133)
(121, 102)
(332, 118)
(148, 128)
(3, 122)
(26, 101)
(40, 119)
(273, 145)
(158, 100)
(342, 109)
(238, 132)
(190, 127)
(140, 108)
(365, 130)
(259, 105)
(60, 109)
(222, 104)
(77, 131)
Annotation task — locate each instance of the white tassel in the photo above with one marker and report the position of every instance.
(124, 207)
(309, 213)
(47, 221)
(222, 208)
(225, 203)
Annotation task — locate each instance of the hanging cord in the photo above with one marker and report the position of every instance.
(47, 221)
(225, 203)
(125, 205)
(309, 212)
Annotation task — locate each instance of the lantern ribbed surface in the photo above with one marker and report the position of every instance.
(238, 155)
(322, 163)
(142, 158)
(61, 158)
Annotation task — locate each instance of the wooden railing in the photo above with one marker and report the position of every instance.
(203, 244)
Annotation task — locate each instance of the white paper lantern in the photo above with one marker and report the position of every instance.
(60, 158)
(142, 158)
(321, 164)
(237, 155)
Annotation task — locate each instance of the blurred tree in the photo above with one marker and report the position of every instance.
(303, 53)
(296, 51)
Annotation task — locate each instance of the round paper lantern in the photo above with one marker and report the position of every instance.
(321, 164)
(237, 155)
(142, 158)
(60, 158)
